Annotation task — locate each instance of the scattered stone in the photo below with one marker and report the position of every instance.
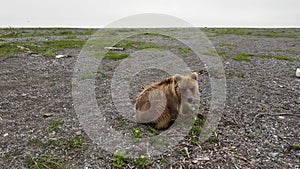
(6, 134)
(47, 115)
(195, 161)
(60, 56)
(114, 48)
(273, 154)
(298, 72)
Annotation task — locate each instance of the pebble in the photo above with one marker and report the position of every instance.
(274, 154)
(298, 72)
(6, 134)
(195, 161)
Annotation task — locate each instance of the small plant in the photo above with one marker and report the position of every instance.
(49, 53)
(99, 156)
(102, 73)
(163, 160)
(152, 130)
(250, 135)
(136, 133)
(141, 162)
(52, 84)
(119, 159)
(43, 162)
(297, 146)
(183, 152)
(120, 120)
(213, 140)
(196, 130)
(74, 143)
(195, 141)
(55, 126)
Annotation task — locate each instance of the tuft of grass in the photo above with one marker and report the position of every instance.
(164, 160)
(74, 143)
(142, 162)
(43, 162)
(52, 84)
(213, 140)
(297, 146)
(102, 73)
(250, 135)
(119, 159)
(243, 57)
(115, 56)
(120, 120)
(55, 126)
(136, 133)
(184, 50)
(49, 53)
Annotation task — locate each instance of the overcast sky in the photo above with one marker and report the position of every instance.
(99, 13)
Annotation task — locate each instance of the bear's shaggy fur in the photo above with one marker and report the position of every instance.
(160, 103)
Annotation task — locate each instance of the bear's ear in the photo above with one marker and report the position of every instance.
(194, 75)
(177, 77)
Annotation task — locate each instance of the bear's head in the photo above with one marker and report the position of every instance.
(187, 87)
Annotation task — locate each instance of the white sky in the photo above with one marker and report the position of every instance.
(99, 13)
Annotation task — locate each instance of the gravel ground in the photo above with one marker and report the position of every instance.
(259, 126)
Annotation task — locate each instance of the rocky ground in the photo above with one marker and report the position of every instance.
(259, 126)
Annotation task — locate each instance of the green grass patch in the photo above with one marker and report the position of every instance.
(213, 140)
(74, 143)
(71, 36)
(269, 33)
(227, 45)
(43, 162)
(115, 56)
(243, 57)
(119, 159)
(46, 48)
(52, 84)
(138, 45)
(275, 57)
(297, 146)
(49, 53)
(184, 50)
(44, 32)
(55, 126)
(250, 135)
(141, 162)
(214, 53)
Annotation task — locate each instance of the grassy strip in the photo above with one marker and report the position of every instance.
(40, 32)
(46, 48)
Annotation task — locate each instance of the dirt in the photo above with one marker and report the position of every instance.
(259, 126)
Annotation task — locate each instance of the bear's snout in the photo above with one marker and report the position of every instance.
(190, 100)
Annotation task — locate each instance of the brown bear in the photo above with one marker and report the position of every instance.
(160, 103)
